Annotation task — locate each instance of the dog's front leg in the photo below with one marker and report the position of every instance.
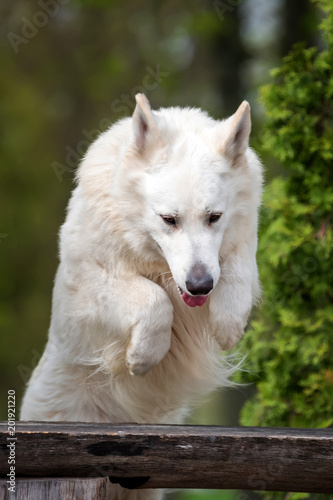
(232, 299)
(140, 311)
(131, 308)
(150, 322)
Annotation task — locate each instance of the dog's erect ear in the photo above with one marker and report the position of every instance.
(238, 129)
(144, 124)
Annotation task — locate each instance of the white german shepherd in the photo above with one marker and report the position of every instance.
(163, 219)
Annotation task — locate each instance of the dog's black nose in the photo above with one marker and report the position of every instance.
(199, 281)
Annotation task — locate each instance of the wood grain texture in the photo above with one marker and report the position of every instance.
(56, 488)
(153, 456)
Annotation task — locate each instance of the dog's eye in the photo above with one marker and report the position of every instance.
(169, 220)
(214, 218)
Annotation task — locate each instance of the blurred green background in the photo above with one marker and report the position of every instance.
(69, 68)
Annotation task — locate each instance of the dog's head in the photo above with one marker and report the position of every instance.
(193, 170)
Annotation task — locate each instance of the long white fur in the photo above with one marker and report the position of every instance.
(123, 346)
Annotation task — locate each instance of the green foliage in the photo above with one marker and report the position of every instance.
(208, 495)
(290, 342)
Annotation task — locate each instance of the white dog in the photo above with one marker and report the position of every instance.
(163, 219)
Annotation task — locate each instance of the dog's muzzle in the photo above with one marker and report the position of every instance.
(199, 283)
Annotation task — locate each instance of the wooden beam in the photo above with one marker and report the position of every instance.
(166, 456)
(69, 488)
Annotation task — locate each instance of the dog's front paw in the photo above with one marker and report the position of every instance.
(229, 309)
(150, 340)
(228, 333)
(143, 355)
(139, 362)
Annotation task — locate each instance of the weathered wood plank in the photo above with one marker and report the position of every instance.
(56, 489)
(176, 456)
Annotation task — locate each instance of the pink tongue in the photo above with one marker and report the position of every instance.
(199, 300)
